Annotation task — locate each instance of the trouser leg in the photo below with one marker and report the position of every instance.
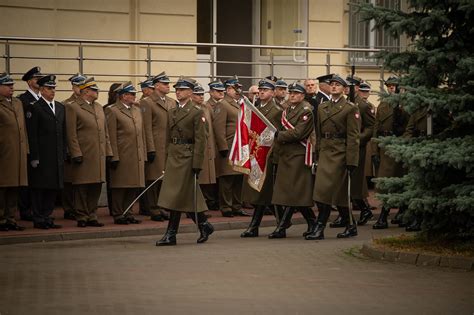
(210, 195)
(24, 203)
(67, 200)
(225, 194)
(80, 202)
(93, 195)
(8, 204)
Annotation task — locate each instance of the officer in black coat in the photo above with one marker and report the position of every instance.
(30, 96)
(46, 125)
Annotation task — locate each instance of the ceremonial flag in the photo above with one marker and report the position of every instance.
(252, 142)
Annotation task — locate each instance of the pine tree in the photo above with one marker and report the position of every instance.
(437, 72)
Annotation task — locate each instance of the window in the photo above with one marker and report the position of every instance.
(362, 34)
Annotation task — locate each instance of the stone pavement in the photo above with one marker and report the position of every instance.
(226, 275)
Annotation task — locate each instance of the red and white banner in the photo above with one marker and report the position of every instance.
(252, 142)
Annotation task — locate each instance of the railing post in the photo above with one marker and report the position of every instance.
(213, 64)
(148, 61)
(7, 57)
(328, 62)
(271, 63)
(81, 58)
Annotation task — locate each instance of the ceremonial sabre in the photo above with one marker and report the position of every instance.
(195, 202)
(141, 194)
(351, 221)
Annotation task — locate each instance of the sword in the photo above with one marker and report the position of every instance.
(195, 203)
(351, 222)
(141, 194)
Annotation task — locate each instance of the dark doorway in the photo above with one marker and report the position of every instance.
(234, 26)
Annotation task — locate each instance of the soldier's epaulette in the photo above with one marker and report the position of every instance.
(350, 103)
(197, 107)
(308, 107)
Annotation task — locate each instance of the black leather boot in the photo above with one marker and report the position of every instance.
(318, 232)
(279, 211)
(170, 236)
(365, 214)
(280, 231)
(310, 218)
(415, 226)
(382, 220)
(252, 230)
(351, 229)
(340, 221)
(398, 219)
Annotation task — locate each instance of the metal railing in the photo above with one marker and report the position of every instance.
(272, 62)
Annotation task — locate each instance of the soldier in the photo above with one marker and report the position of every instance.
(337, 137)
(147, 88)
(281, 93)
(359, 189)
(45, 121)
(88, 143)
(14, 148)
(31, 95)
(207, 177)
(155, 117)
(294, 165)
(186, 145)
(224, 121)
(66, 194)
(389, 121)
(260, 200)
(127, 165)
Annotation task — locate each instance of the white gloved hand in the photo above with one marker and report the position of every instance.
(35, 163)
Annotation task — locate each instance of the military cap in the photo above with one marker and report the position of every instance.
(5, 79)
(47, 80)
(234, 81)
(271, 77)
(89, 83)
(126, 87)
(296, 87)
(77, 79)
(266, 84)
(162, 78)
(354, 80)
(148, 83)
(217, 85)
(339, 79)
(392, 80)
(185, 83)
(324, 78)
(281, 83)
(198, 89)
(365, 86)
(33, 72)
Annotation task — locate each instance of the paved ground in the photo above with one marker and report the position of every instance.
(226, 275)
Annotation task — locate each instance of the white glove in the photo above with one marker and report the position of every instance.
(35, 163)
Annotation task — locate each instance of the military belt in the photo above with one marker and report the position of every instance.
(181, 141)
(383, 133)
(333, 135)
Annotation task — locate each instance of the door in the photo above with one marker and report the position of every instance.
(282, 23)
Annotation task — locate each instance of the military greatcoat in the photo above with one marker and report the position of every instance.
(337, 137)
(384, 126)
(273, 113)
(186, 146)
(127, 139)
(87, 137)
(359, 188)
(225, 117)
(67, 165)
(155, 119)
(47, 140)
(208, 173)
(294, 181)
(13, 143)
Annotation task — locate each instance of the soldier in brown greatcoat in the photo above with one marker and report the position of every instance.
(186, 146)
(66, 194)
(263, 198)
(127, 165)
(155, 118)
(14, 148)
(294, 181)
(88, 144)
(359, 190)
(224, 120)
(337, 135)
(147, 88)
(390, 120)
(207, 177)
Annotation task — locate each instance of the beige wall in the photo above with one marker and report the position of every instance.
(143, 20)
